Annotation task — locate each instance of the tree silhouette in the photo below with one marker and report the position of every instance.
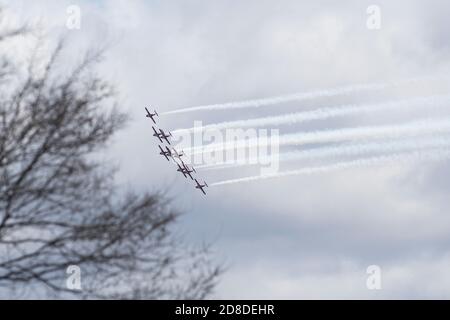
(59, 206)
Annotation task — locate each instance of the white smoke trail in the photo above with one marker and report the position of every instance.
(255, 103)
(323, 113)
(434, 155)
(342, 150)
(411, 129)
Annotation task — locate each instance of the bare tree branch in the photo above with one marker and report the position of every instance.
(60, 207)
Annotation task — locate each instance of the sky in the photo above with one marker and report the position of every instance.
(296, 237)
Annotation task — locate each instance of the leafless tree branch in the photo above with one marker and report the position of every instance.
(60, 207)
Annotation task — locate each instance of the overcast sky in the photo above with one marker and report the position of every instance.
(302, 236)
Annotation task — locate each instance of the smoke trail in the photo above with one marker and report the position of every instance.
(411, 129)
(322, 113)
(255, 103)
(435, 155)
(343, 150)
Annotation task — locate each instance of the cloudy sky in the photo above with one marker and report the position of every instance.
(297, 237)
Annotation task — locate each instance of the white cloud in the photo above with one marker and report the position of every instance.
(173, 54)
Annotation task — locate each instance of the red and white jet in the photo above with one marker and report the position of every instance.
(176, 155)
(201, 186)
(151, 115)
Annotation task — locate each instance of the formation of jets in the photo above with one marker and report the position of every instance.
(184, 169)
(172, 153)
(162, 135)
